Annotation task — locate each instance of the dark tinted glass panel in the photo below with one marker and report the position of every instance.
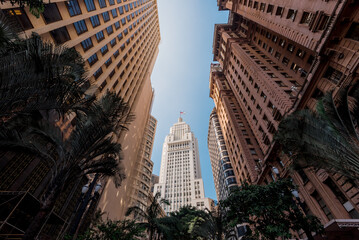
(80, 27)
(102, 3)
(60, 35)
(87, 44)
(51, 13)
(92, 59)
(100, 36)
(73, 7)
(114, 13)
(90, 5)
(19, 16)
(95, 21)
(112, 2)
(106, 16)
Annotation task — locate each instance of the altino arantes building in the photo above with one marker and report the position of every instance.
(274, 58)
(118, 40)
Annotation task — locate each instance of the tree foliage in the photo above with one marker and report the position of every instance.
(36, 7)
(327, 138)
(150, 217)
(269, 209)
(41, 92)
(114, 230)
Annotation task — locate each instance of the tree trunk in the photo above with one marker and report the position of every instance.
(47, 204)
(309, 234)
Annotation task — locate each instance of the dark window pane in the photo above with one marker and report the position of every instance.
(92, 59)
(51, 13)
(19, 16)
(80, 27)
(104, 49)
(73, 7)
(112, 2)
(100, 36)
(60, 35)
(87, 44)
(102, 3)
(90, 5)
(353, 31)
(106, 16)
(109, 30)
(95, 21)
(120, 9)
(114, 13)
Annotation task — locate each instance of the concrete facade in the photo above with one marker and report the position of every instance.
(118, 40)
(223, 174)
(274, 58)
(180, 174)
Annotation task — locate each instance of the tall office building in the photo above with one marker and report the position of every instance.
(118, 40)
(143, 172)
(223, 173)
(180, 174)
(274, 58)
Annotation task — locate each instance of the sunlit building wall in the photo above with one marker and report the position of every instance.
(180, 174)
(274, 58)
(118, 40)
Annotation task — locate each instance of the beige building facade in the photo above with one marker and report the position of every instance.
(118, 40)
(274, 58)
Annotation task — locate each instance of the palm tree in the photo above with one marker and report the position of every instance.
(91, 147)
(327, 138)
(114, 230)
(38, 76)
(151, 215)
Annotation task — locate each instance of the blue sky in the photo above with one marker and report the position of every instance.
(181, 74)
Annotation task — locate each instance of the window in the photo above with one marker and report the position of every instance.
(60, 35)
(92, 59)
(353, 32)
(262, 7)
(95, 21)
(277, 55)
(112, 2)
(102, 3)
(126, 8)
(90, 5)
(323, 20)
(290, 47)
(117, 25)
(87, 44)
(120, 9)
(100, 36)
(300, 53)
(291, 14)
(123, 21)
(270, 9)
(333, 75)
(98, 73)
(279, 11)
(51, 13)
(113, 42)
(109, 30)
(104, 50)
(73, 7)
(119, 36)
(108, 62)
(306, 17)
(106, 16)
(322, 205)
(114, 13)
(115, 54)
(285, 61)
(80, 27)
(282, 42)
(19, 16)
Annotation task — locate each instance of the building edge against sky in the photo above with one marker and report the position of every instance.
(119, 43)
(180, 180)
(273, 58)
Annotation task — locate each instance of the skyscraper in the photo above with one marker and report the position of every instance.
(180, 175)
(118, 40)
(274, 58)
(223, 174)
